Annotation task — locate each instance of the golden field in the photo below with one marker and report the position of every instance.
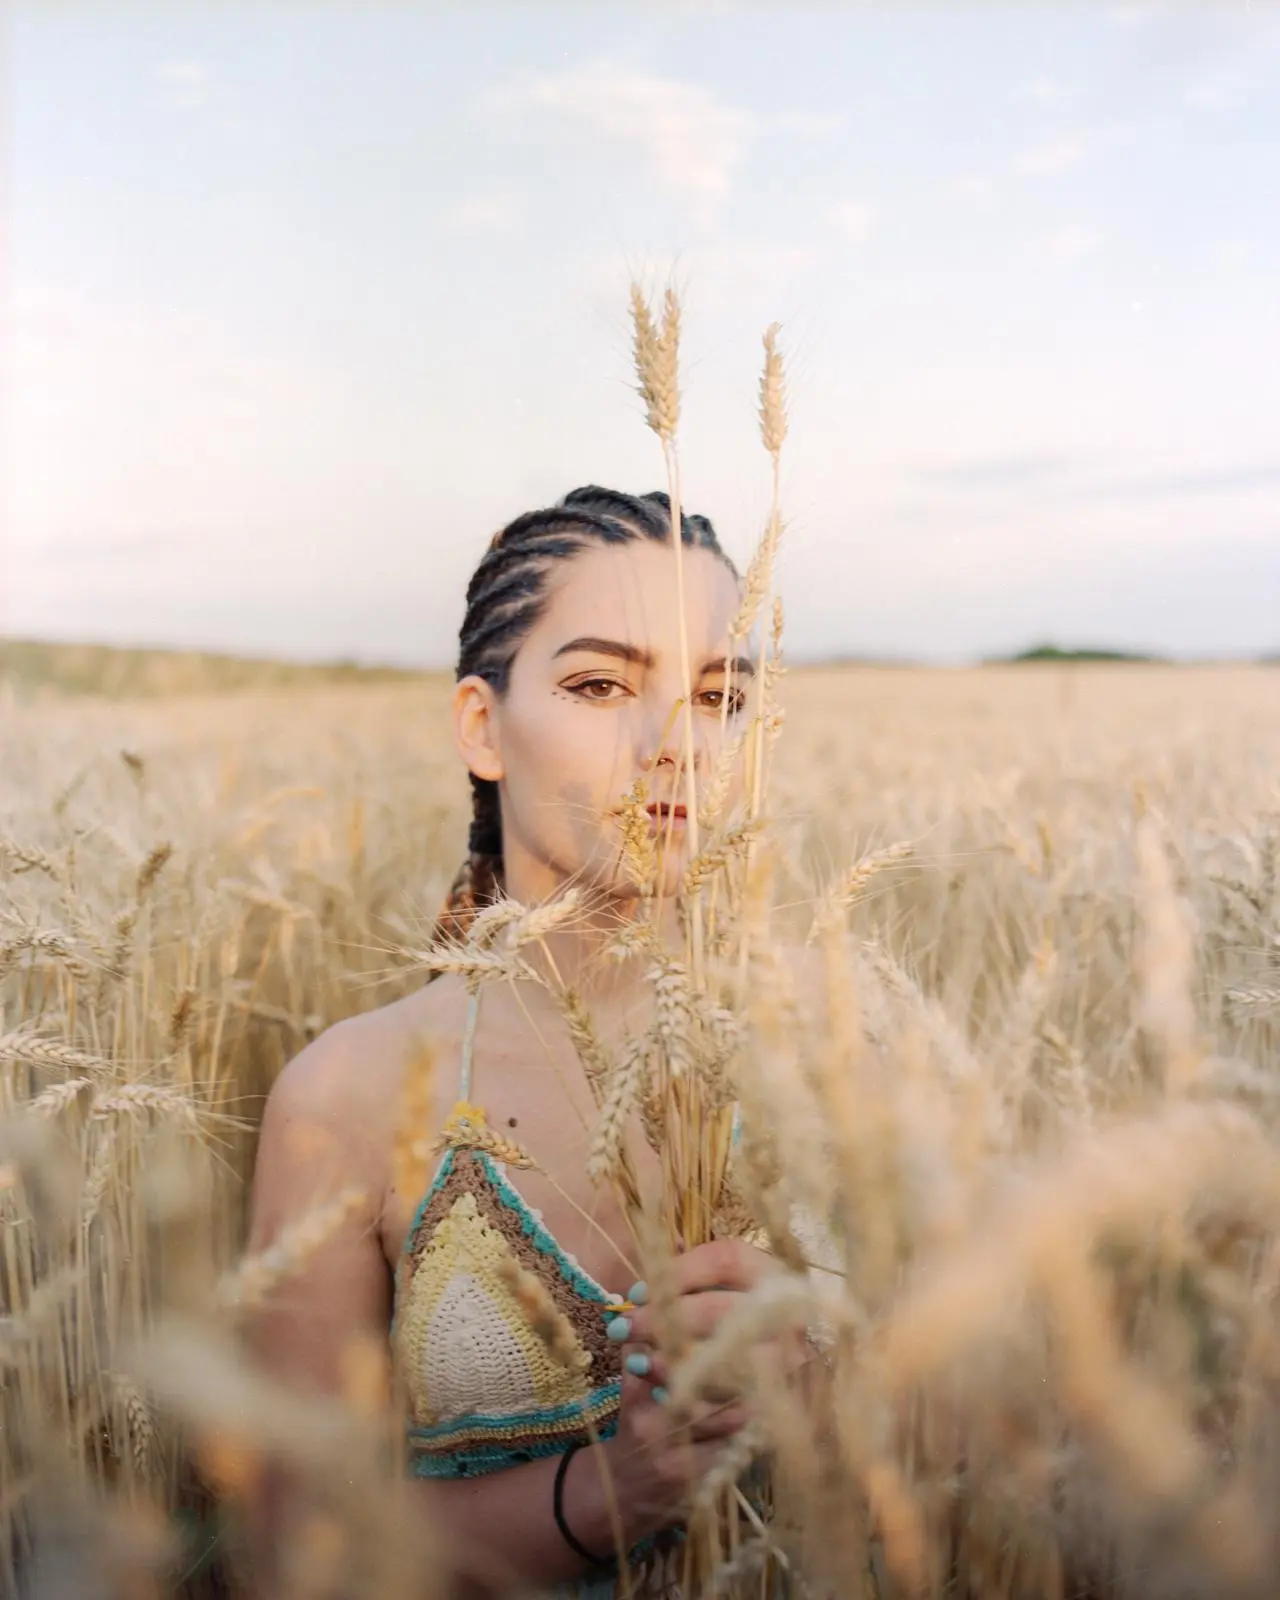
(1085, 939)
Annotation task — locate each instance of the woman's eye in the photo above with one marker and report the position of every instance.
(714, 700)
(595, 688)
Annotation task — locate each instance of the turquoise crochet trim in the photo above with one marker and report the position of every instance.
(572, 1274)
(427, 1457)
(476, 1460)
(569, 1411)
(437, 1183)
(581, 1281)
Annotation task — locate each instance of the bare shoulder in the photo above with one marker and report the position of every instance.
(332, 1112)
(356, 1067)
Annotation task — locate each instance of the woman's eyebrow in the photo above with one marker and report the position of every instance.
(739, 666)
(607, 647)
(588, 644)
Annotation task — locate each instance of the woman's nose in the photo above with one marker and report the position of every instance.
(665, 744)
(665, 756)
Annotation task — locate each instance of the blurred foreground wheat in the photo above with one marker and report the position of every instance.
(1039, 1087)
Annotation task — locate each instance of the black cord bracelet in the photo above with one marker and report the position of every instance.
(557, 1505)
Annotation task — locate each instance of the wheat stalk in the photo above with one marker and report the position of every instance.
(138, 1421)
(544, 1316)
(57, 1097)
(135, 1099)
(746, 1446)
(713, 860)
(157, 859)
(27, 858)
(838, 900)
(623, 1091)
(97, 1178)
(1166, 958)
(256, 1277)
(36, 1051)
(656, 352)
(46, 942)
(410, 1155)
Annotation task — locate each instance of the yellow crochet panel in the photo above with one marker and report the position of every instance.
(462, 1336)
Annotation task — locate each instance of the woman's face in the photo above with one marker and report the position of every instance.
(591, 707)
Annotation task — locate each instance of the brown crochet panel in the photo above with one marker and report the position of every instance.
(588, 1318)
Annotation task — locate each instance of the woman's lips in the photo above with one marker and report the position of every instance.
(660, 811)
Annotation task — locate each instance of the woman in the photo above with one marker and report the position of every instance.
(569, 670)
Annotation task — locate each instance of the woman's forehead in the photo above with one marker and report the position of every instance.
(628, 592)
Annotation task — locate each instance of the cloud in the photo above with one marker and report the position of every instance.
(752, 262)
(1252, 478)
(1134, 13)
(184, 85)
(691, 140)
(1075, 480)
(807, 124)
(1051, 159)
(975, 190)
(1070, 242)
(126, 423)
(853, 220)
(111, 550)
(500, 212)
(1040, 91)
(743, 272)
(1220, 92)
(1016, 471)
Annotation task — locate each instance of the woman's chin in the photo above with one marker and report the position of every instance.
(620, 885)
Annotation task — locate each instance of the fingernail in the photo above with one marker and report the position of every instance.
(660, 1395)
(638, 1364)
(638, 1294)
(619, 1329)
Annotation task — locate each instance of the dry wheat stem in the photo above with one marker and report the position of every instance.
(138, 1419)
(773, 402)
(37, 1051)
(782, 1303)
(411, 1144)
(545, 1318)
(749, 1443)
(623, 1092)
(256, 1277)
(26, 858)
(58, 1096)
(586, 1040)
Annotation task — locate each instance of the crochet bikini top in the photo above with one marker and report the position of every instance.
(483, 1390)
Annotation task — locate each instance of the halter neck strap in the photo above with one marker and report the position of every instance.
(468, 1047)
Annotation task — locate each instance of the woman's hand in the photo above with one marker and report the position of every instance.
(656, 1458)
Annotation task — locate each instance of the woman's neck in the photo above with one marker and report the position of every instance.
(584, 953)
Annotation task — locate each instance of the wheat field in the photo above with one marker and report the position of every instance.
(1086, 933)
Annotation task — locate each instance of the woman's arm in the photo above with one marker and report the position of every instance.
(502, 1525)
(327, 1127)
(320, 1136)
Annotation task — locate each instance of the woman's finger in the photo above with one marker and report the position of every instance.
(697, 1316)
(718, 1422)
(643, 1362)
(722, 1264)
(712, 1418)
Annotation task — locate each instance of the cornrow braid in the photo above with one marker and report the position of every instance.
(505, 597)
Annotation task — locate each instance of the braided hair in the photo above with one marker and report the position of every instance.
(505, 598)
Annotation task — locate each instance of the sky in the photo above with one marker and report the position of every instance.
(303, 302)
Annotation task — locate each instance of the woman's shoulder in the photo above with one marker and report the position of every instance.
(352, 1074)
(331, 1115)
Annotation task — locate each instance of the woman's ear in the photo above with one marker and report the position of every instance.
(475, 728)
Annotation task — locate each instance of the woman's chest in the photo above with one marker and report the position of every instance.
(536, 1124)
